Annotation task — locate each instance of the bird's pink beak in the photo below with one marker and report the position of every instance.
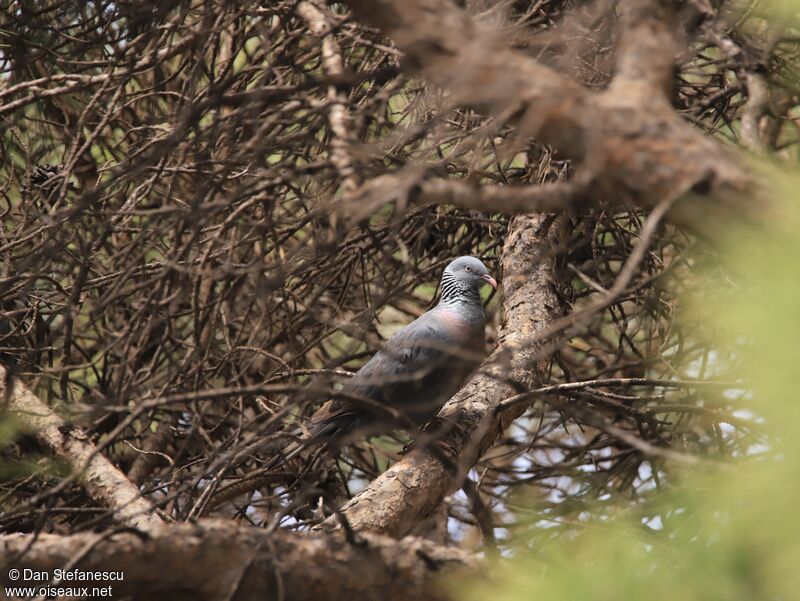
(490, 279)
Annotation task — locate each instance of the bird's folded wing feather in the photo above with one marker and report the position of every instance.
(414, 369)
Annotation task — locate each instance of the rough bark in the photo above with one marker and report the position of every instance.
(410, 490)
(216, 559)
(101, 480)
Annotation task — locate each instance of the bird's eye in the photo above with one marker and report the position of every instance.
(468, 268)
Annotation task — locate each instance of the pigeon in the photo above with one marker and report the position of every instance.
(415, 372)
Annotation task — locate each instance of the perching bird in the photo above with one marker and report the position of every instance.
(415, 372)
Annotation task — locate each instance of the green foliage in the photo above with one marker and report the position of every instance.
(11, 428)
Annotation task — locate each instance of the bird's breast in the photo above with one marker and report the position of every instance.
(461, 329)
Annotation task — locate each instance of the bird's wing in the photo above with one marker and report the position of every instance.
(414, 372)
(399, 358)
(422, 365)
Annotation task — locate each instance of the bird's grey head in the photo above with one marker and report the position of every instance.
(462, 279)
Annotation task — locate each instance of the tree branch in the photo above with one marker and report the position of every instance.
(408, 186)
(338, 116)
(545, 198)
(101, 480)
(217, 559)
(647, 46)
(635, 147)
